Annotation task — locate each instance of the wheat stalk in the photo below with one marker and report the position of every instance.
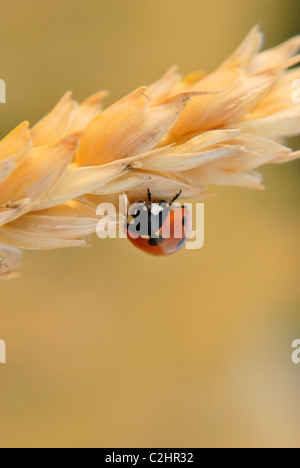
(180, 133)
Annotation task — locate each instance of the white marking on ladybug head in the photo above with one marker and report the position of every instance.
(156, 209)
(137, 208)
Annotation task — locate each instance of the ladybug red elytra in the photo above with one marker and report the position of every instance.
(158, 227)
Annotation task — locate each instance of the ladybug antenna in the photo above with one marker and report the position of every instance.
(176, 197)
(149, 196)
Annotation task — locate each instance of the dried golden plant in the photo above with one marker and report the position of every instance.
(180, 133)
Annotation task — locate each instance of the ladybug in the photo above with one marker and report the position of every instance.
(158, 227)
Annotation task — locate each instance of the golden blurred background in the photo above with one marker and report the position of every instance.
(107, 347)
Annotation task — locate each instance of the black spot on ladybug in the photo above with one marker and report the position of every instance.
(155, 241)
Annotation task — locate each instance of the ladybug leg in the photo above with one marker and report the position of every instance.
(176, 197)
